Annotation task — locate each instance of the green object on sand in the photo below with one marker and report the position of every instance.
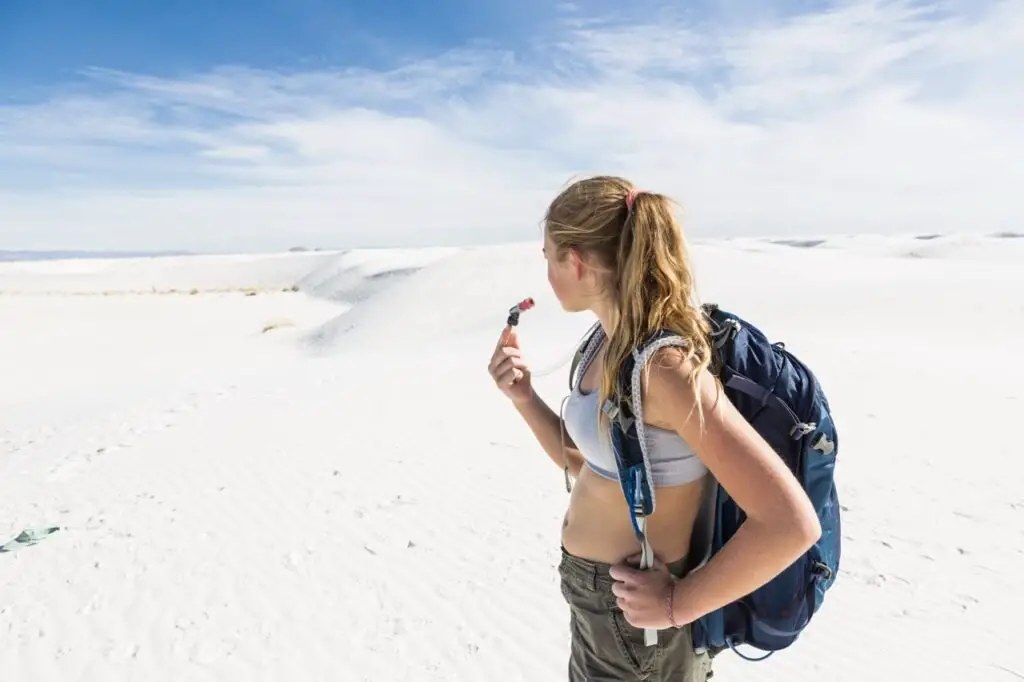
(27, 538)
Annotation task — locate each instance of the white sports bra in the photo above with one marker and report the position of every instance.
(673, 461)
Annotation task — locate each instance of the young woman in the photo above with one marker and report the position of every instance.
(620, 253)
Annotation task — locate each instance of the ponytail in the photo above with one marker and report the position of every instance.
(653, 290)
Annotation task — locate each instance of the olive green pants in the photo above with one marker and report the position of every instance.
(606, 647)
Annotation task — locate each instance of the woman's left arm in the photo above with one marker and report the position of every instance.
(781, 523)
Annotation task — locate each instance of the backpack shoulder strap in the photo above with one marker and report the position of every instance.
(631, 372)
(572, 369)
(629, 444)
(629, 433)
(581, 352)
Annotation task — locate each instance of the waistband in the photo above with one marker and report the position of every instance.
(598, 572)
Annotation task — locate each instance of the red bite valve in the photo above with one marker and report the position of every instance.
(514, 311)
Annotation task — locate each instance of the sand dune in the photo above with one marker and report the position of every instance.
(455, 303)
(177, 274)
(1002, 248)
(352, 276)
(301, 471)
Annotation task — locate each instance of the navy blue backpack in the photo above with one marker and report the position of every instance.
(782, 399)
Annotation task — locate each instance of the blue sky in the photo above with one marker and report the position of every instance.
(169, 38)
(264, 124)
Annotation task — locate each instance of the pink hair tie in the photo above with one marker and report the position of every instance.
(630, 198)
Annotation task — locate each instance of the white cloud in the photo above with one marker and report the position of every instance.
(874, 116)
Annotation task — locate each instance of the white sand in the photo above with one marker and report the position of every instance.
(347, 497)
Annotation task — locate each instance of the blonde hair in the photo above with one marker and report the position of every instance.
(641, 249)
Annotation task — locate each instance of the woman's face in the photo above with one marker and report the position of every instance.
(565, 275)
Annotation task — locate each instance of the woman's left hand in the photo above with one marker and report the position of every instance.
(643, 594)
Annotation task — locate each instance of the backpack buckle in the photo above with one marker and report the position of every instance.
(824, 445)
(802, 429)
(614, 413)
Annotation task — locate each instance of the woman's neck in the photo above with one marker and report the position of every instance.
(606, 315)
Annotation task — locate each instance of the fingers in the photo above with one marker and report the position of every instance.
(502, 356)
(624, 595)
(512, 338)
(508, 337)
(503, 337)
(625, 574)
(509, 370)
(509, 378)
(628, 570)
(623, 591)
(634, 562)
(642, 604)
(631, 602)
(506, 352)
(507, 366)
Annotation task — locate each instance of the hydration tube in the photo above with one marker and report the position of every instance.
(647, 553)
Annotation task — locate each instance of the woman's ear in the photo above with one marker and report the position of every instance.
(578, 265)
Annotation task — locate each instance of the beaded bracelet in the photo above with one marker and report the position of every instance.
(670, 604)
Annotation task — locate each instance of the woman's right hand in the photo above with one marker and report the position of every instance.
(507, 368)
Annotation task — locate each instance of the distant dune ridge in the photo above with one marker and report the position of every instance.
(67, 255)
(294, 465)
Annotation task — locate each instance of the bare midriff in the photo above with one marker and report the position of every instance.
(597, 525)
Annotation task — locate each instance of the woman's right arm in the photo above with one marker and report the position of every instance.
(512, 376)
(549, 429)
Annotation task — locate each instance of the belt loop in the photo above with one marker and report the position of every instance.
(593, 578)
